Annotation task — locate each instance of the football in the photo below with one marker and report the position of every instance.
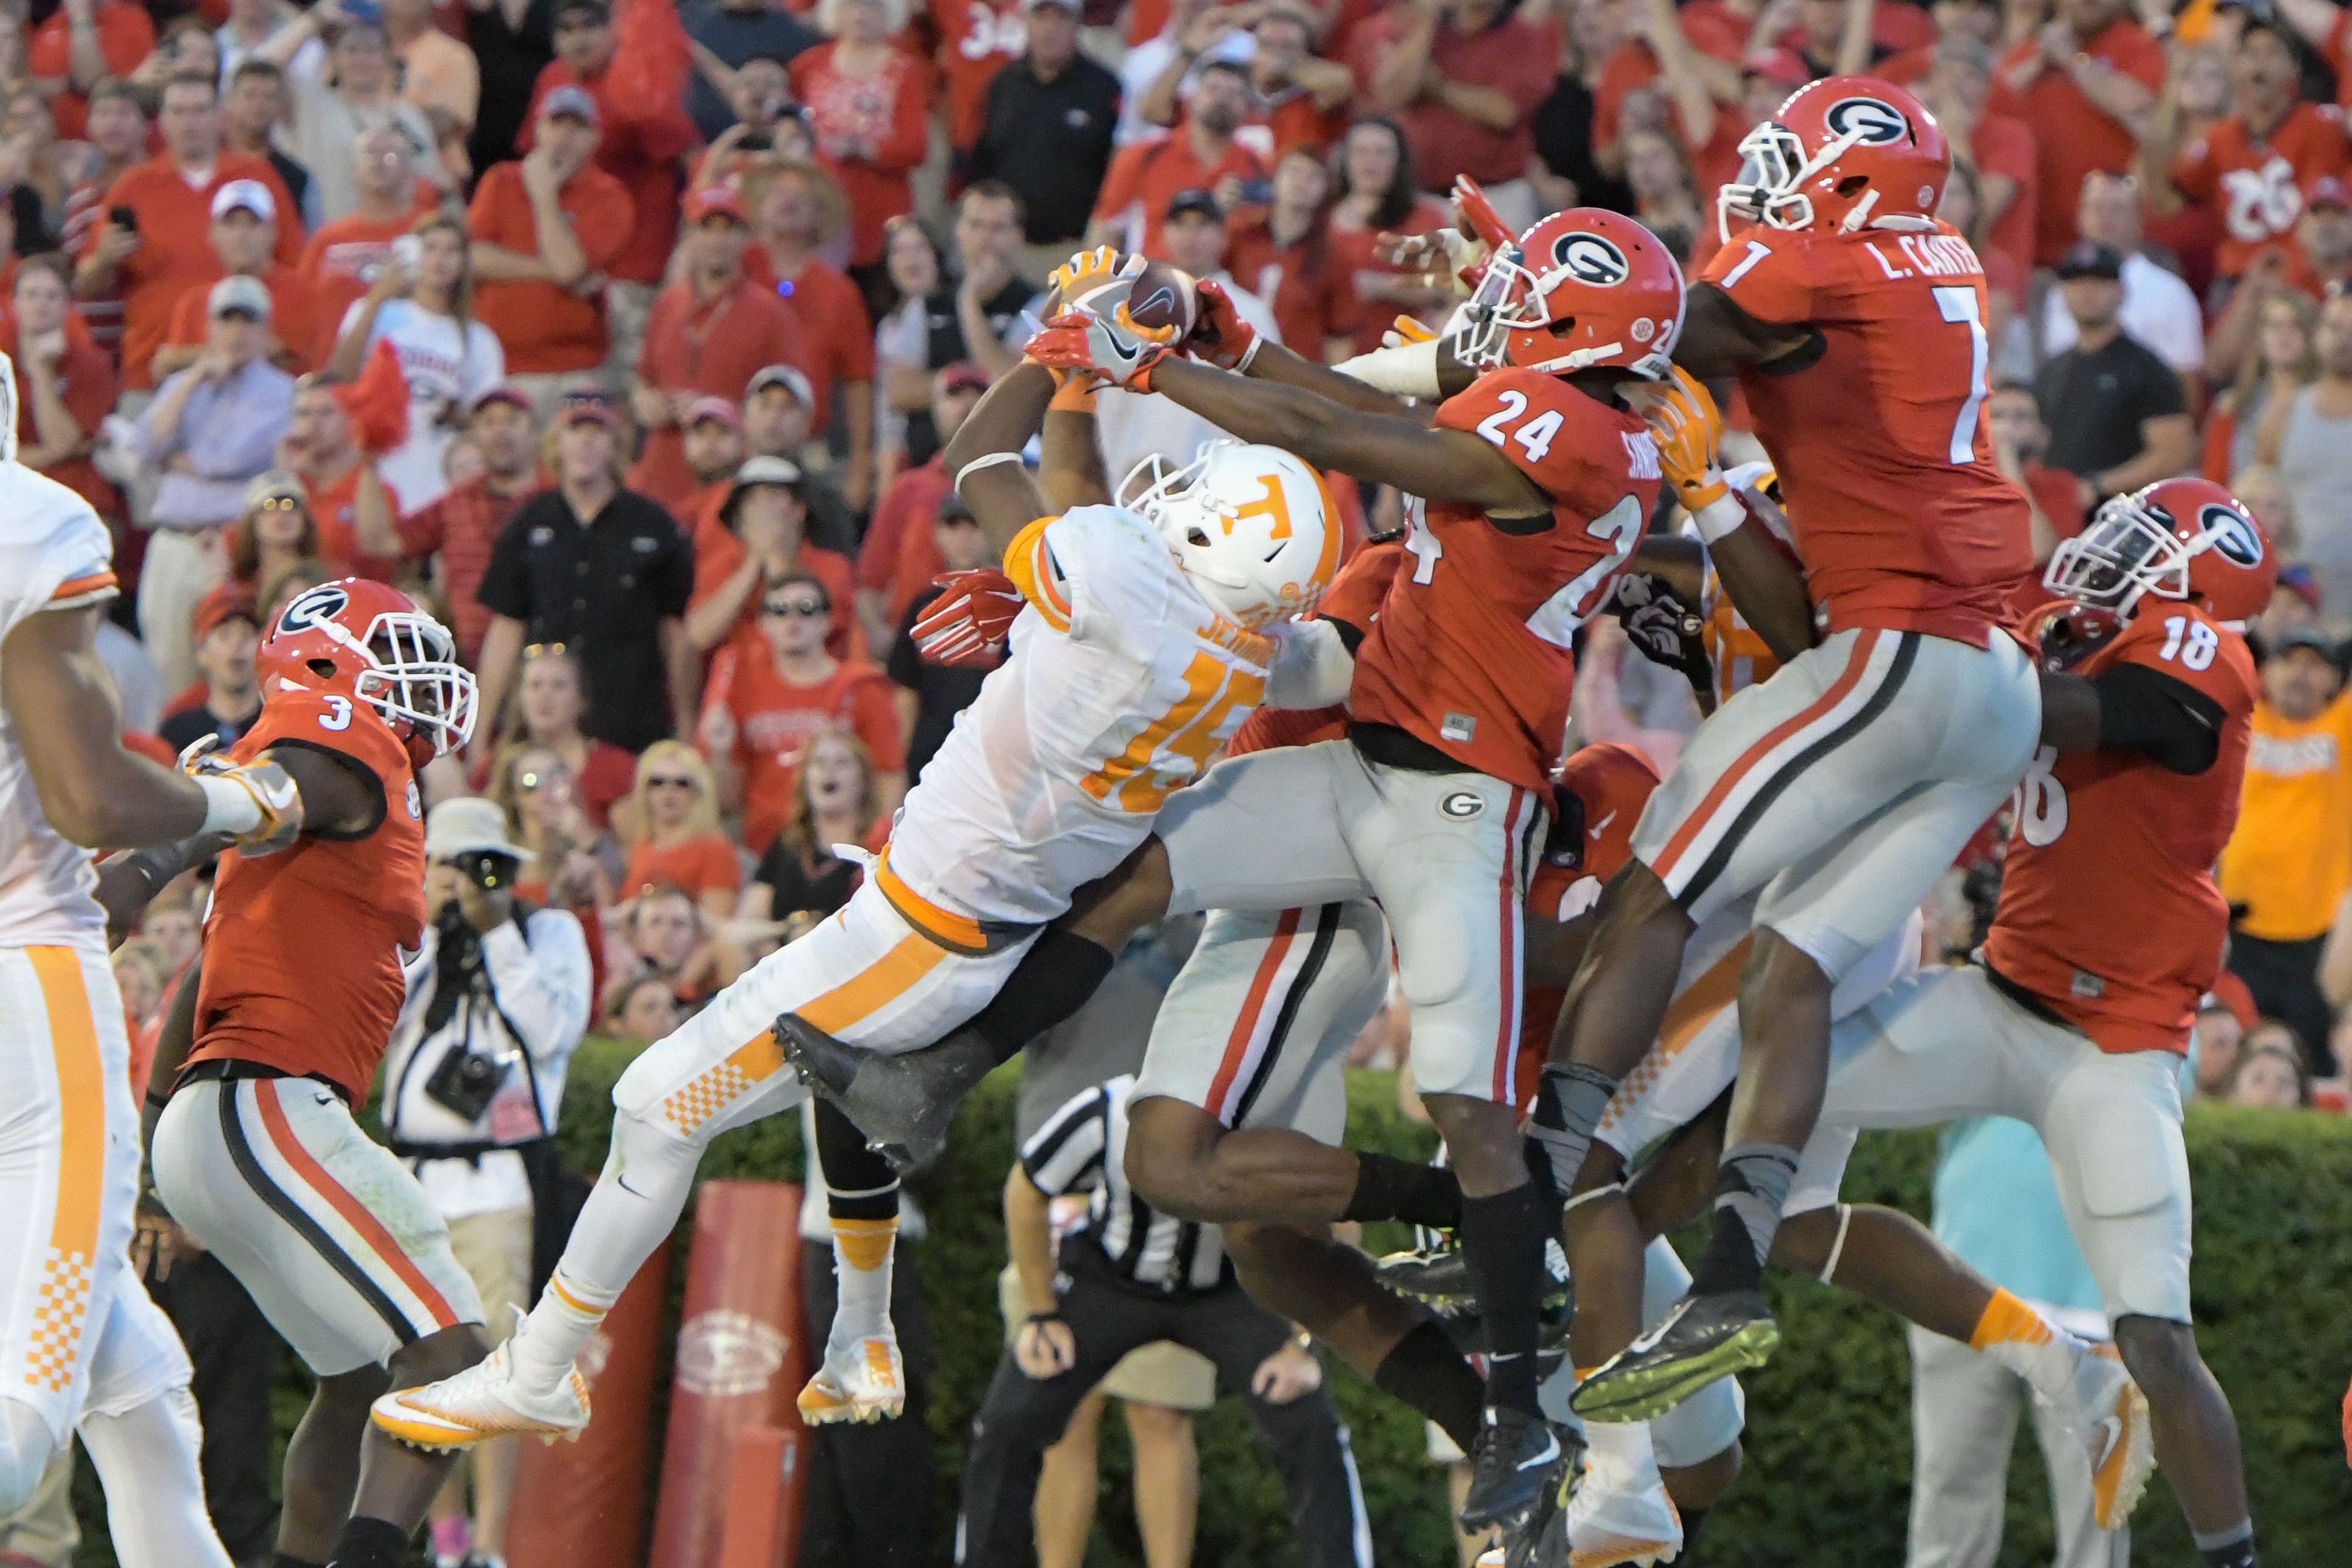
(1163, 296)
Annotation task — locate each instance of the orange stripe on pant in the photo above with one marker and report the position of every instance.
(57, 1347)
(1237, 1044)
(355, 1213)
(1693, 824)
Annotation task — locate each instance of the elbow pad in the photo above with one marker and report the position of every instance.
(1409, 370)
(1312, 666)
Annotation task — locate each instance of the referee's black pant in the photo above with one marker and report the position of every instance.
(1023, 1417)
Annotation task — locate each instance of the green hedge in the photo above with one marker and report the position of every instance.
(1827, 1479)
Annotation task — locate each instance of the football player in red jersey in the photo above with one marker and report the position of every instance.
(256, 1154)
(1842, 788)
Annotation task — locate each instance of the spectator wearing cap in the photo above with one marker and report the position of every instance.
(545, 229)
(210, 428)
(344, 257)
(64, 383)
(164, 251)
(2020, 440)
(1046, 131)
(2289, 863)
(710, 446)
(1463, 78)
(707, 335)
(2307, 437)
(2159, 311)
(1201, 154)
(349, 497)
(2249, 171)
(601, 569)
(227, 635)
(459, 529)
(777, 412)
(796, 211)
(931, 695)
(2089, 78)
(1177, 34)
(639, 145)
(768, 698)
(2117, 416)
(422, 305)
(897, 559)
(252, 108)
(736, 32)
(244, 240)
(358, 92)
(758, 535)
(991, 297)
(80, 43)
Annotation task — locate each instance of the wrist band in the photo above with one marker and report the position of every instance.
(1241, 365)
(1718, 519)
(986, 460)
(229, 806)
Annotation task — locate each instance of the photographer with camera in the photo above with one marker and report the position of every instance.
(498, 996)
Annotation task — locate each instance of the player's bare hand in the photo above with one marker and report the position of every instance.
(967, 626)
(1290, 1373)
(1044, 1347)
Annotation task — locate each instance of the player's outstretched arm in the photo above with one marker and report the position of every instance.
(1436, 464)
(1004, 497)
(1719, 336)
(62, 703)
(1287, 367)
(1070, 468)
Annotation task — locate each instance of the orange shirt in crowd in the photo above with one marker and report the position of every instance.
(775, 720)
(1515, 58)
(697, 865)
(295, 319)
(884, 111)
(126, 36)
(976, 40)
(2073, 136)
(2005, 146)
(718, 552)
(1150, 174)
(342, 260)
(153, 276)
(2253, 184)
(643, 155)
(86, 386)
(1291, 119)
(545, 329)
(713, 346)
(2290, 860)
(836, 335)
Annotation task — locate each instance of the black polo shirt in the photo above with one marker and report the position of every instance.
(603, 590)
(2095, 403)
(1050, 141)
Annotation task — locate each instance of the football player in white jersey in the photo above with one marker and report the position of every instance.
(82, 1348)
(1138, 654)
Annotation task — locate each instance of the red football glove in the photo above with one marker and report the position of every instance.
(966, 626)
(1113, 347)
(1220, 335)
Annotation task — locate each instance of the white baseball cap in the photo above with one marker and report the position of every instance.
(251, 195)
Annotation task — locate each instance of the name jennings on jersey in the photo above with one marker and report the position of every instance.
(1121, 685)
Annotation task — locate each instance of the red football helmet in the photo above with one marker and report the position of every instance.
(370, 642)
(1582, 289)
(1846, 153)
(2176, 539)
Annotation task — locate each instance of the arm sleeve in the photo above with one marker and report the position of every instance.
(2162, 717)
(541, 984)
(1313, 666)
(1068, 1150)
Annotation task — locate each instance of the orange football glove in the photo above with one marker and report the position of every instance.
(229, 786)
(1684, 420)
(1220, 335)
(1113, 347)
(1078, 278)
(967, 625)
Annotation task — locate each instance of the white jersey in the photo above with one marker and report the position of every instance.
(1122, 684)
(55, 554)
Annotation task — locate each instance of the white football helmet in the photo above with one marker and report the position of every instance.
(1251, 527)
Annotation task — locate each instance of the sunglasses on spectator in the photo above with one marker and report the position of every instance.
(531, 782)
(671, 780)
(809, 608)
(278, 503)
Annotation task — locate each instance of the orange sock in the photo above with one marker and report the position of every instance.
(2008, 1321)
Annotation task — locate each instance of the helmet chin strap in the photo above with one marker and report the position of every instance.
(1582, 358)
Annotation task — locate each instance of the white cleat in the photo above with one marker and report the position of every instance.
(864, 1381)
(482, 1402)
(1614, 1520)
(2108, 1415)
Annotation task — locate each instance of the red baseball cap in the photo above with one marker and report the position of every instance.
(225, 602)
(718, 408)
(715, 201)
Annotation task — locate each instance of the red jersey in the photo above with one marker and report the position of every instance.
(1882, 444)
(2108, 910)
(977, 39)
(776, 723)
(1354, 596)
(2255, 184)
(1470, 653)
(303, 948)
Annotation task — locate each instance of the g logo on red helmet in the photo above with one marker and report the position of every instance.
(314, 607)
(1590, 260)
(2235, 535)
(1878, 125)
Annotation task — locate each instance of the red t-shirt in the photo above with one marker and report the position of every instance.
(543, 329)
(341, 260)
(2005, 146)
(126, 36)
(2072, 135)
(294, 317)
(976, 40)
(1145, 177)
(718, 552)
(1882, 444)
(2254, 185)
(886, 112)
(836, 336)
(87, 387)
(711, 346)
(1471, 650)
(1352, 255)
(697, 865)
(2109, 909)
(641, 154)
(335, 510)
(1297, 280)
(775, 721)
(1512, 58)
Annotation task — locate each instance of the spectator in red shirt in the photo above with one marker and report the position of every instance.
(1284, 256)
(1999, 148)
(81, 42)
(343, 258)
(865, 98)
(1200, 154)
(354, 507)
(1300, 99)
(64, 385)
(898, 558)
(1378, 194)
(1463, 77)
(711, 448)
(459, 529)
(709, 332)
(2089, 78)
(766, 701)
(796, 211)
(758, 536)
(673, 813)
(244, 236)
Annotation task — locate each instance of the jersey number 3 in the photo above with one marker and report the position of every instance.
(340, 718)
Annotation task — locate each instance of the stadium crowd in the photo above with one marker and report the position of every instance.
(629, 341)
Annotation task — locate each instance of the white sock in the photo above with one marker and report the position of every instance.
(2048, 1365)
(1626, 1449)
(862, 1253)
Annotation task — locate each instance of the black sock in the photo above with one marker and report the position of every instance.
(2228, 1547)
(859, 1182)
(1391, 1188)
(1051, 981)
(1692, 1519)
(1752, 1184)
(1429, 1373)
(1503, 1243)
(370, 1543)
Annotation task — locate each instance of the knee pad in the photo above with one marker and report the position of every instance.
(26, 1446)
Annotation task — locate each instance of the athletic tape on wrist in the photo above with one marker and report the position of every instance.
(986, 460)
(229, 806)
(1720, 518)
(1409, 370)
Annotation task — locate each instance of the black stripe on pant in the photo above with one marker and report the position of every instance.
(1023, 1417)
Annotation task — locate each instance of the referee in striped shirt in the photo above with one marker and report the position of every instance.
(1127, 1277)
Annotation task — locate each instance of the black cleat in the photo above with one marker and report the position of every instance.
(1540, 1541)
(1441, 1277)
(1704, 1338)
(903, 1103)
(1514, 1461)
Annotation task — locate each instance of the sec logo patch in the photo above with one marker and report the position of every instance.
(1463, 804)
